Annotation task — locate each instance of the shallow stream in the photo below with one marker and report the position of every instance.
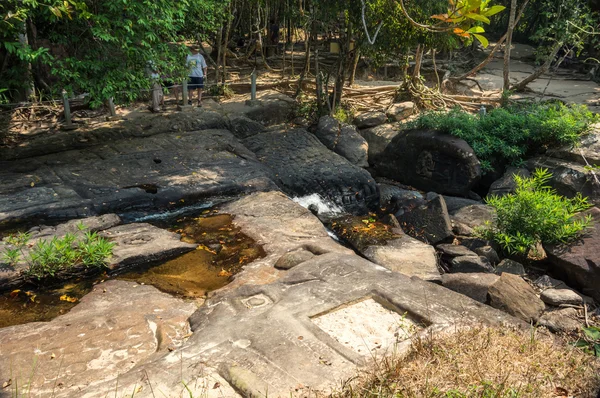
(222, 251)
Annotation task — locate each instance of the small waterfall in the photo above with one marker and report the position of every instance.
(322, 206)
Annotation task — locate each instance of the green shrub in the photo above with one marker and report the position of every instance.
(535, 214)
(508, 135)
(47, 258)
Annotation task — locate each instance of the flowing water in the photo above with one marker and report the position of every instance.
(222, 252)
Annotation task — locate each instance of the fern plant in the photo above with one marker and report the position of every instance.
(535, 214)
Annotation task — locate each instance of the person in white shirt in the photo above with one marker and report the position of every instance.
(198, 70)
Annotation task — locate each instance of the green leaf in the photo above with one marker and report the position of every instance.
(478, 17)
(484, 42)
(592, 333)
(476, 29)
(493, 10)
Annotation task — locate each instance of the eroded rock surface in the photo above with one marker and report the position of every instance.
(272, 338)
(344, 140)
(130, 175)
(115, 328)
(302, 165)
(513, 295)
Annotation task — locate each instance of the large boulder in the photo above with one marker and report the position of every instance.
(515, 296)
(378, 139)
(473, 216)
(429, 222)
(506, 184)
(302, 166)
(400, 111)
(474, 285)
(579, 264)
(344, 140)
(394, 197)
(431, 161)
(470, 264)
(389, 247)
(568, 178)
(370, 119)
(270, 109)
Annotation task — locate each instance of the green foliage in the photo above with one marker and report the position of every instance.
(101, 47)
(508, 135)
(535, 214)
(48, 258)
(307, 107)
(590, 342)
(343, 115)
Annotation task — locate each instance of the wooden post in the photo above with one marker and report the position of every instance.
(67, 111)
(253, 88)
(111, 107)
(185, 93)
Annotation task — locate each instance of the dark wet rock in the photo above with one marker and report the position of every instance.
(489, 253)
(467, 264)
(243, 127)
(514, 296)
(579, 264)
(396, 199)
(429, 222)
(511, 267)
(474, 285)
(370, 119)
(507, 184)
(378, 139)
(293, 258)
(563, 320)
(568, 178)
(391, 220)
(302, 165)
(454, 203)
(451, 250)
(558, 297)
(344, 140)
(430, 161)
(400, 111)
(124, 176)
(474, 243)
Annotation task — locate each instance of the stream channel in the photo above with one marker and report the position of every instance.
(222, 252)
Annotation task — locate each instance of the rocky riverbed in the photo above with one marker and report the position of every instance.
(298, 308)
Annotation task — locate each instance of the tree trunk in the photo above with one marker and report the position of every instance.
(225, 45)
(418, 60)
(540, 71)
(509, 33)
(355, 61)
(219, 52)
